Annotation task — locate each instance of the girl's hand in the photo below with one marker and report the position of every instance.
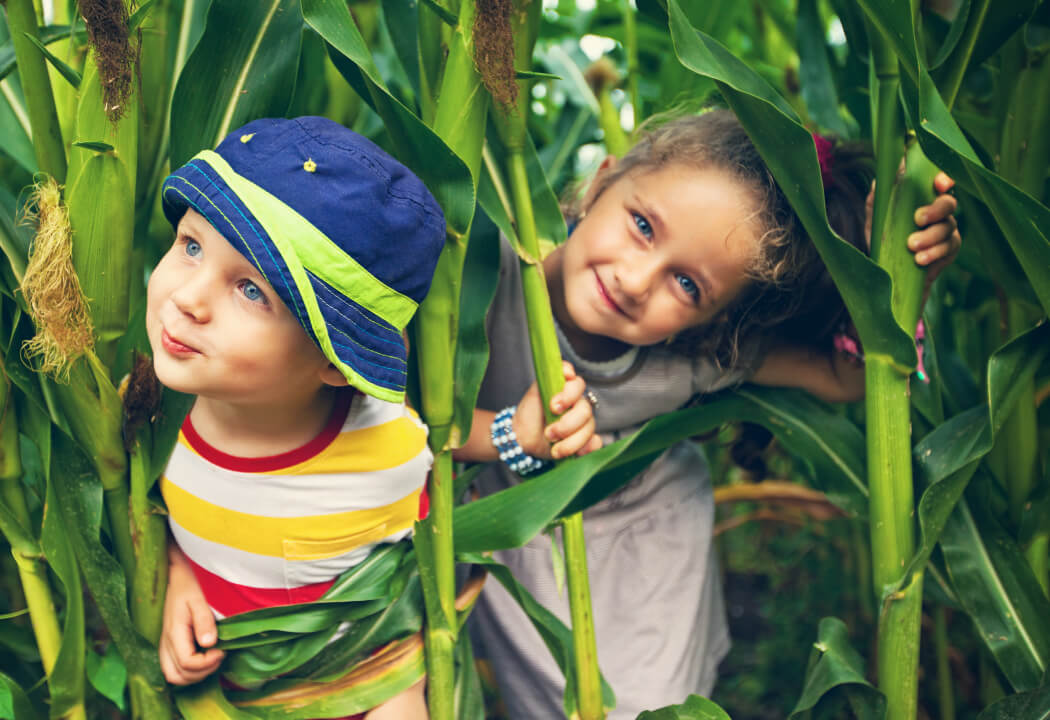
(937, 242)
(188, 623)
(570, 434)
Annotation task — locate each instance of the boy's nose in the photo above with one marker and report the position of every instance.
(191, 299)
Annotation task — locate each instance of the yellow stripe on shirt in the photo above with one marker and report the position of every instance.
(323, 536)
(379, 447)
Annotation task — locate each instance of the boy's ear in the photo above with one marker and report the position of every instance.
(330, 375)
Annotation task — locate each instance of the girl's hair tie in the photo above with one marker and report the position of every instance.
(824, 157)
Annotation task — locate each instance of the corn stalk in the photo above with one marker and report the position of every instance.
(888, 398)
(510, 120)
(40, 100)
(15, 525)
(459, 119)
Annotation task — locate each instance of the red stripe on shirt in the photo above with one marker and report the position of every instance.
(269, 463)
(230, 598)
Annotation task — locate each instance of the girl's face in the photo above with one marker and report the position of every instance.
(656, 253)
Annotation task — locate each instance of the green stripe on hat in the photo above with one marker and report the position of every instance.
(314, 249)
(326, 261)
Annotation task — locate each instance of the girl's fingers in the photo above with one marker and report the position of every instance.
(575, 442)
(939, 252)
(942, 208)
(569, 395)
(942, 183)
(942, 233)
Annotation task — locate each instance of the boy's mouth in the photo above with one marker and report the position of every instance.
(176, 347)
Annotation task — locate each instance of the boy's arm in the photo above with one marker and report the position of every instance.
(188, 623)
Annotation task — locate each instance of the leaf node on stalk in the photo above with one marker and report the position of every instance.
(51, 286)
(494, 50)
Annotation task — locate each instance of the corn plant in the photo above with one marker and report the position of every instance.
(79, 457)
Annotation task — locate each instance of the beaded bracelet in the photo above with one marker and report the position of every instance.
(506, 443)
(846, 344)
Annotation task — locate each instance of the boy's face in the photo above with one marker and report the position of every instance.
(219, 330)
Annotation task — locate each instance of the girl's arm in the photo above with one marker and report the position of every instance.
(834, 375)
(571, 434)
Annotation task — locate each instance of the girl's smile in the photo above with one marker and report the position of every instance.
(657, 252)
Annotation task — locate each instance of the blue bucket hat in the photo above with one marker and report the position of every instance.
(347, 236)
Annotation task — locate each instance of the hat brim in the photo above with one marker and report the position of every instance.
(368, 350)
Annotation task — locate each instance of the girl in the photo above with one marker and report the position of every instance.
(686, 272)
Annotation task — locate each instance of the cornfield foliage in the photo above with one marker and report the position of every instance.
(945, 483)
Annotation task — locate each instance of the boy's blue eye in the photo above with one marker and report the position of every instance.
(193, 248)
(252, 291)
(690, 287)
(643, 225)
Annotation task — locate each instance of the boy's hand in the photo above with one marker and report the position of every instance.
(570, 434)
(188, 622)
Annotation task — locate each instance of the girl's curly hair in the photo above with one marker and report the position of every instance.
(791, 289)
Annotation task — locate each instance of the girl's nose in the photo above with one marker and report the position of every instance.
(635, 274)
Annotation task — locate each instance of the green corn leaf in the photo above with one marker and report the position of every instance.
(94, 145)
(205, 701)
(67, 677)
(445, 174)
(481, 267)
(108, 675)
(788, 150)
(1032, 705)
(949, 455)
(1021, 218)
(78, 493)
(830, 446)
(14, 703)
(556, 636)
(234, 77)
(71, 75)
(14, 124)
(48, 35)
(815, 71)
(14, 241)
(836, 668)
(535, 75)
(446, 17)
(494, 193)
(140, 15)
(694, 708)
(404, 15)
(996, 588)
(469, 700)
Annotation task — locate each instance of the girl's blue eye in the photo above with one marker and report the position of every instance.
(193, 248)
(252, 291)
(686, 283)
(643, 225)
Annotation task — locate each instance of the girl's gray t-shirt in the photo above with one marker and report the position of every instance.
(655, 585)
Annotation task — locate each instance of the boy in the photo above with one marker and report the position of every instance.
(301, 252)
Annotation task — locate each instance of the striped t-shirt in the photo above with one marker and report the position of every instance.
(277, 530)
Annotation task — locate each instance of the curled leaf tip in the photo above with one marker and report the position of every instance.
(51, 286)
